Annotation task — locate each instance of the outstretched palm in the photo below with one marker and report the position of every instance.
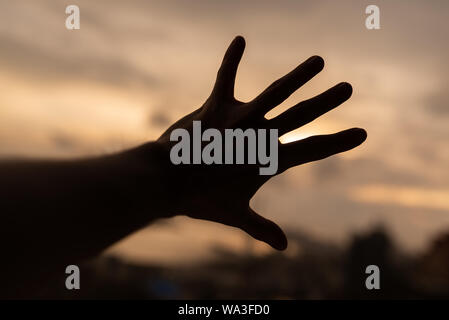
(221, 193)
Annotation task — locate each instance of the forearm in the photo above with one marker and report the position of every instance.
(59, 212)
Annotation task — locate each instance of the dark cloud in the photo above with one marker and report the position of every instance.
(28, 60)
(438, 103)
(159, 119)
(63, 141)
(351, 172)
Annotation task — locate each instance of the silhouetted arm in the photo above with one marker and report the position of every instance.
(55, 213)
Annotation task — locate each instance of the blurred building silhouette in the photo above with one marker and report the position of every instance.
(315, 270)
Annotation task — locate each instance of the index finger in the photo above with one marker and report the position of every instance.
(224, 85)
(282, 88)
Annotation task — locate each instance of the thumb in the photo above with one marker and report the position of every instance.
(264, 230)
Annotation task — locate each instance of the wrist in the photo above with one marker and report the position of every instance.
(144, 174)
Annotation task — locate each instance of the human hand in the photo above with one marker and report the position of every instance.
(221, 193)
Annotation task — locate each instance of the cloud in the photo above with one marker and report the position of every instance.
(438, 103)
(44, 65)
(402, 196)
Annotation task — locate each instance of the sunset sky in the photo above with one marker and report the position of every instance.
(135, 67)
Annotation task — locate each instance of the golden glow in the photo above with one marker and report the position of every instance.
(402, 196)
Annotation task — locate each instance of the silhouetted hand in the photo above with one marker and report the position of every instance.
(58, 212)
(221, 193)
